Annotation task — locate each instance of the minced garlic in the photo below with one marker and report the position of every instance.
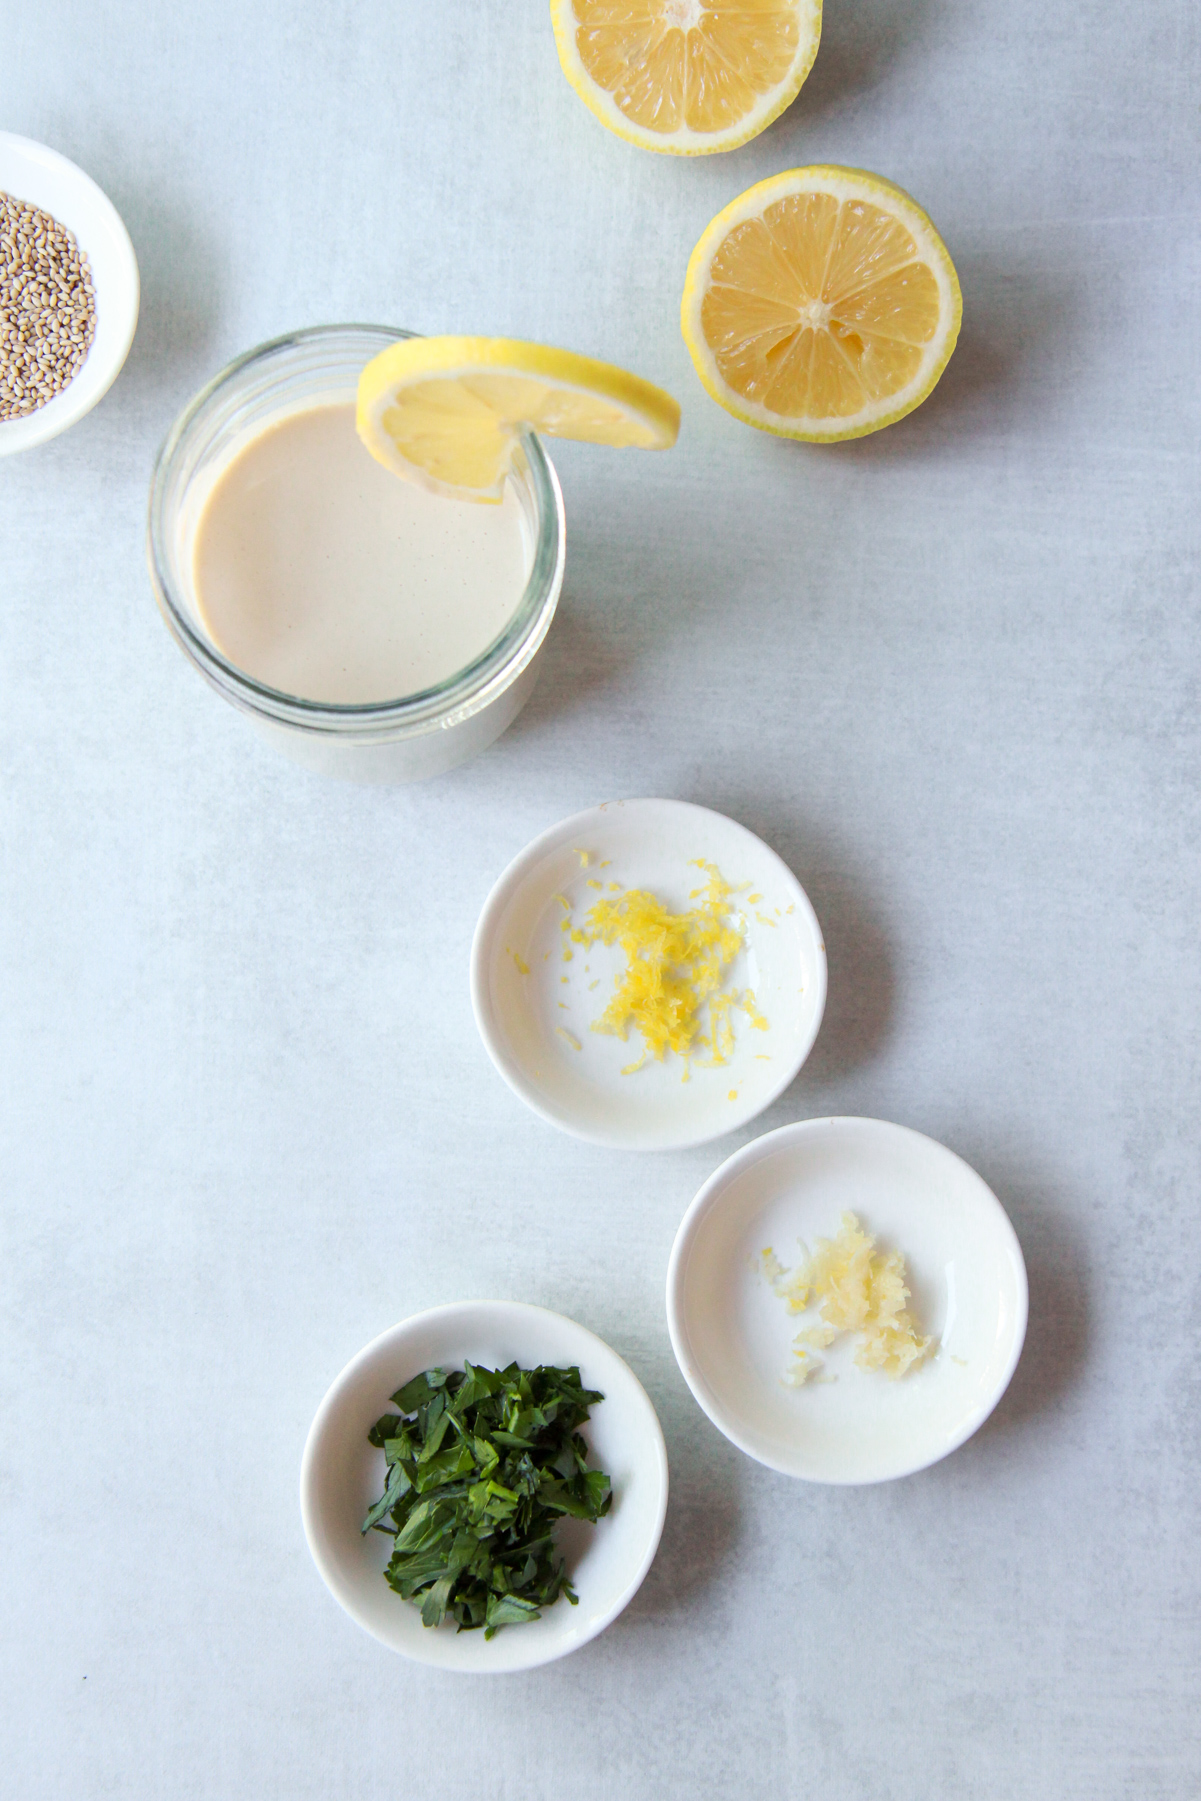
(675, 965)
(855, 1288)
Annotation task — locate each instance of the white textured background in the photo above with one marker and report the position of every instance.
(950, 673)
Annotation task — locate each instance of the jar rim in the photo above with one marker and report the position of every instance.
(443, 704)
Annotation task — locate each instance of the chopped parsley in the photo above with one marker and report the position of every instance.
(482, 1464)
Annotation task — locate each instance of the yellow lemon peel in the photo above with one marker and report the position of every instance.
(675, 966)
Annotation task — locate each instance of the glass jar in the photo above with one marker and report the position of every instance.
(415, 735)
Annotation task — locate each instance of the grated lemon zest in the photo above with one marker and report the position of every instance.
(675, 964)
(569, 1038)
(750, 1007)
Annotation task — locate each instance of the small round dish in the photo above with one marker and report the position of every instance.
(341, 1475)
(732, 1334)
(534, 1006)
(31, 172)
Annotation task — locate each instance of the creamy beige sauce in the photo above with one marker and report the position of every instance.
(320, 573)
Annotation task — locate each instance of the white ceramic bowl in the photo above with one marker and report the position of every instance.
(31, 172)
(732, 1334)
(534, 1010)
(341, 1475)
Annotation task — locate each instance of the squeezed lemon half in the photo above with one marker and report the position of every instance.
(449, 412)
(688, 76)
(821, 304)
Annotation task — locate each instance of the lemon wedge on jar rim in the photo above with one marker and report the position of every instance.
(688, 76)
(449, 412)
(821, 304)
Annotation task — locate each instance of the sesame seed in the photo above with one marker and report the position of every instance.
(47, 308)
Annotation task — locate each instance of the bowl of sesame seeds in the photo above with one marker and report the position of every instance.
(68, 293)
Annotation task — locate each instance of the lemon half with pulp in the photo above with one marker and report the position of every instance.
(821, 304)
(688, 76)
(449, 412)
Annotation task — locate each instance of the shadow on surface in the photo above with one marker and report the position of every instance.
(1057, 1337)
(181, 296)
(698, 1533)
(1013, 321)
(859, 1005)
(582, 656)
(861, 992)
(642, 569)
(860, 42)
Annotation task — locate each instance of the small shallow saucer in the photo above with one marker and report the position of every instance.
(732, 1334)
(47, 180)
(341, 1475)
(535, 1007)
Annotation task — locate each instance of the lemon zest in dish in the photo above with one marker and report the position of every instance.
(751, 1008)
(671, 991)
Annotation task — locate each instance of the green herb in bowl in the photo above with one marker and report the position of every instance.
(482, 1464)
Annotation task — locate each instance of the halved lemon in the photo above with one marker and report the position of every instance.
(688, 76)
(449, 412)
(821, 304)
